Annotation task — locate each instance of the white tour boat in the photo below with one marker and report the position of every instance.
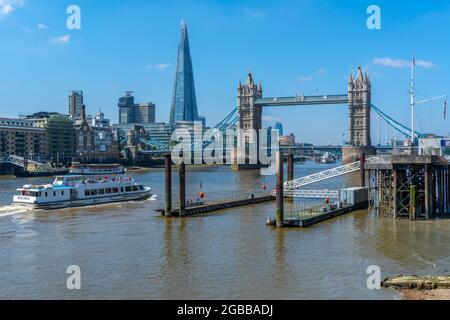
(100, 170)
(77, 190)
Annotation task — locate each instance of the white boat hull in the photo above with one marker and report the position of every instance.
(85, 202)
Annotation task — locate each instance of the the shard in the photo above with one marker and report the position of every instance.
(184, 102)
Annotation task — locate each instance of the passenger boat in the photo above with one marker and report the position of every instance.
(77, 190)
(327, 158)
(39, 171)
(96, 169)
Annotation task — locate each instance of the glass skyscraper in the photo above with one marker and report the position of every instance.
(184, 102)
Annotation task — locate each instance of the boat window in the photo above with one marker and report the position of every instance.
(46, 194)
(127, 189)
(121, 189)
(87, 192)
(93, 192)
(101, 191)
(39, 194)
(62, 192)
(54, 193)
(141, 187)
(116, 190)
(135, 188)
(108, 190)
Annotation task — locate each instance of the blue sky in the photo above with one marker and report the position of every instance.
(292, 47)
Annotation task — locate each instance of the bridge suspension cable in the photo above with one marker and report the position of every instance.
(395, 124)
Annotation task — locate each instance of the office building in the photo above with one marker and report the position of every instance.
(75, 103)
(135, 113)
(60, 138)
(279, 127)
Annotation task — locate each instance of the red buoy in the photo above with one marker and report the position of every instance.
(202, 195)
(264, 187)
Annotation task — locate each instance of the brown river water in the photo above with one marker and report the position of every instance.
(128, 251)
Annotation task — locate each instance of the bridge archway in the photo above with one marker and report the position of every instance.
(250, 104)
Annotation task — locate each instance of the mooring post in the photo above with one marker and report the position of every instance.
(394, 192)
(362, 160)
(412, 202)
(290, 163)
(428, 179)
(433, 193)
(182, 176)
(447, 190)
(279, 215)
(168, 185)
(441, 191)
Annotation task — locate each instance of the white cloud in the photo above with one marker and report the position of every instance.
(42, 26)
(254, 13)
(61, 39)
(8, 6)
(159, 66)
(270, 118)
(398, 63)
(306, 78)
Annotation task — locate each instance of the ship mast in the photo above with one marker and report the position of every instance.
(412, 100)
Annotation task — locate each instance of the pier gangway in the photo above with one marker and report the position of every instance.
(18, 161)
(292, 188)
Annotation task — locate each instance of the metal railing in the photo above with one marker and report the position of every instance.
(290, 186)
(311, 194)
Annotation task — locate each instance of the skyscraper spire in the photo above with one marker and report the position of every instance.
(184, 101)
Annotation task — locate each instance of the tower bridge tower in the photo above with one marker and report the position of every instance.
(359, 102)
(249, 115)
(249, 118)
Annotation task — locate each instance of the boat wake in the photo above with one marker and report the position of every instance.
(11, 210)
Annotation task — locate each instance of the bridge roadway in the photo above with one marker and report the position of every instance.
(302, 100)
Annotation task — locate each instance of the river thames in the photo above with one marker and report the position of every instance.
(128, 251)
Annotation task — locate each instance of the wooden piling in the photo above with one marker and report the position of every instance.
(182, 193)
(412, 203)
(395, 187)
(362, 160)
(447, 189)
(279, 214)
(290, 163)
(428, 197)
(433, 193)
(168, 185)
(441, 192)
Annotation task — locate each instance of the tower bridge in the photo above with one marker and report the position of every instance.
(247, 117)
(250, 104)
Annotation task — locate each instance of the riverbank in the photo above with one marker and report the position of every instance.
(420, 287)
(415, 294)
